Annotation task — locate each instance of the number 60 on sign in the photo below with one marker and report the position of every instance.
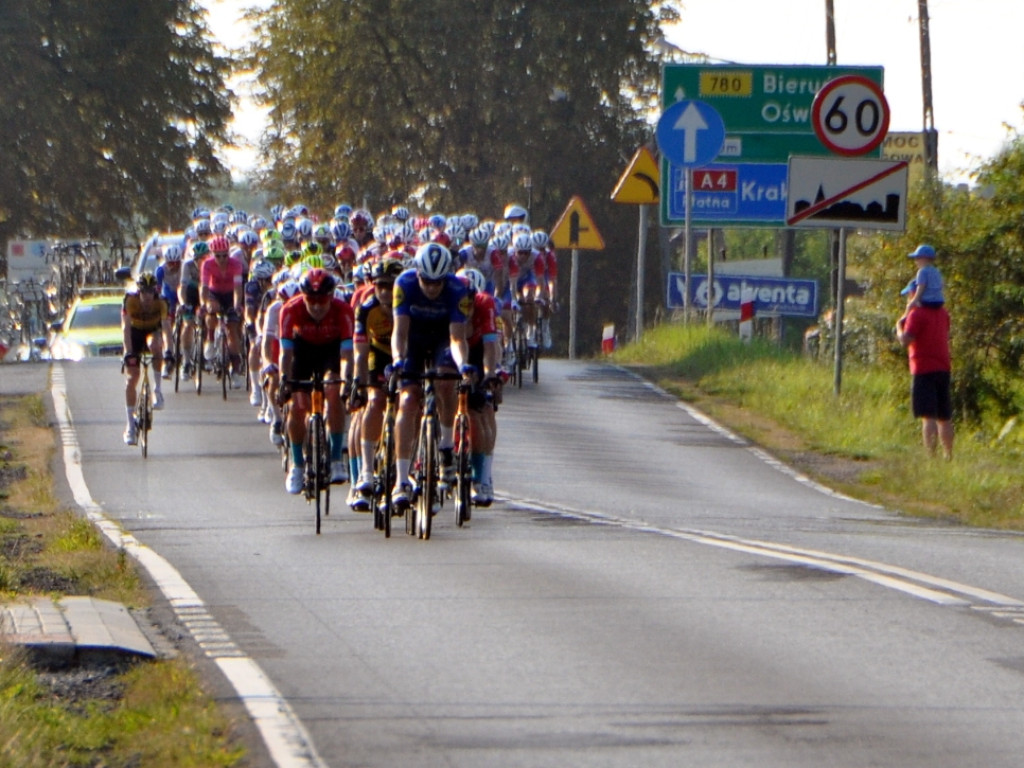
(850, 115)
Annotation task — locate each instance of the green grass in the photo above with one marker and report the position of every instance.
(155, 713)
(161, 718)
(869, 426)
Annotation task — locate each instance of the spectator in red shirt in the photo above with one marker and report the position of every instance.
(925, 333)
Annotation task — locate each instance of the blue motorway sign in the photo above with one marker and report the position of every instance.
(690, 133)
(776, 295)
(726, 195)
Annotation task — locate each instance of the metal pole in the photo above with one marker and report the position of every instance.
(837, 320)
(931, 142)
(688, 255)
(711, 277)
(641, 253)
(573, 283)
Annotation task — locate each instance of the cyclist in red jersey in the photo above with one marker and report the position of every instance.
(316, 330)
(484, 354)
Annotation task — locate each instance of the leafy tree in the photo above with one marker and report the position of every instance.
(110, 113)
(980, 243)
(450, 104)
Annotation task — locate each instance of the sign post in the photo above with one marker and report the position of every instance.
(575, 229)
(639, 185)
(690, 133)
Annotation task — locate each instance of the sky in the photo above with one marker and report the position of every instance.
(977, 59)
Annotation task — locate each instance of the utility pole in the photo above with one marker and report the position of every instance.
(931, 137)
(830, 32)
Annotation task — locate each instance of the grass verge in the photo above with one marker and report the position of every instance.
(865, 442)
(146, 713)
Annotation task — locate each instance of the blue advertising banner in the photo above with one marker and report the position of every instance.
(772, 295)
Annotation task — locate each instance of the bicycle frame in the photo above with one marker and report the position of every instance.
(315, 448)
(144, 403)
(427, 458)
(384, 464)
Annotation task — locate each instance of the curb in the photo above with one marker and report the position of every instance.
(73, 631)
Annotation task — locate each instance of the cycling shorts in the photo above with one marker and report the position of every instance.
(226, 302)
(309, 358)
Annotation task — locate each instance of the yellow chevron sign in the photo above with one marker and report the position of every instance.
(640, 183)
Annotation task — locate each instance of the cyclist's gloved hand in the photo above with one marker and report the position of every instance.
(397, 368)
(468, 372)
(284, 392)
(268, 369)
(357, 397)
(494, 384)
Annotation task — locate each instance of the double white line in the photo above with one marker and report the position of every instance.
(914, 583)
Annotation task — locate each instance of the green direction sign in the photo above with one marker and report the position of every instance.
(766, 109)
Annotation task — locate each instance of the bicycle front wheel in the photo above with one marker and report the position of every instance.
(315, 439)
(225, 365)
(197, 358)
(463, 471)
(428, 478)
(143, 408)
(176, 351)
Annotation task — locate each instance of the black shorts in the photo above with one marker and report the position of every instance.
(140, 340)
(930, 396)
(307, 358)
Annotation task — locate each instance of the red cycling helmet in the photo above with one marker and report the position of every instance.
(318, 282)
(219, 244)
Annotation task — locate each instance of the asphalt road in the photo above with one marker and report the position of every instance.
(647, 591)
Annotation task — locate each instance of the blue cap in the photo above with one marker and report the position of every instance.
(911, 287)
(923, 251)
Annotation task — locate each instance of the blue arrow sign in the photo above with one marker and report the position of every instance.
(690, 133)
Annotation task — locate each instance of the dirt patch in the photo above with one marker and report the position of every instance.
(42, 580)
(81, 686)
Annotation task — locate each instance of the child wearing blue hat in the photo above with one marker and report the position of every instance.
(926, 288)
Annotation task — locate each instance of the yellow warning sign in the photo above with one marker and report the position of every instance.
(576, 229)
(640, 183)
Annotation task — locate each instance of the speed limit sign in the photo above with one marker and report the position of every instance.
(850, 115)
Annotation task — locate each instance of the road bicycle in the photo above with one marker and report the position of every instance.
(527, 355)
(463, 491)
(384, 471)
(427, 471)
(198, 363)
(316, 449)
(220, 365)
(144, 404)
(176, 336)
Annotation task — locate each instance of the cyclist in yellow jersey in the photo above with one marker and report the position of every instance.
(144, 317)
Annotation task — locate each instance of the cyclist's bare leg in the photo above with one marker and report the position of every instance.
(296, 424)
(406, 426)
(235, 345)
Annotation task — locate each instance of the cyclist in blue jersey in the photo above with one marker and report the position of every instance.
(431, 309)
(168, 278)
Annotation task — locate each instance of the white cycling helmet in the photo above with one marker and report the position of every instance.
(474, 277)
(540, 238)
(288, 289)
(433, 261)
(262, 270)
(172, 253)
(515, 212)
(523, 242)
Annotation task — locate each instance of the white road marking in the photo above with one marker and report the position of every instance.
(287, 740)
(914, 583)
